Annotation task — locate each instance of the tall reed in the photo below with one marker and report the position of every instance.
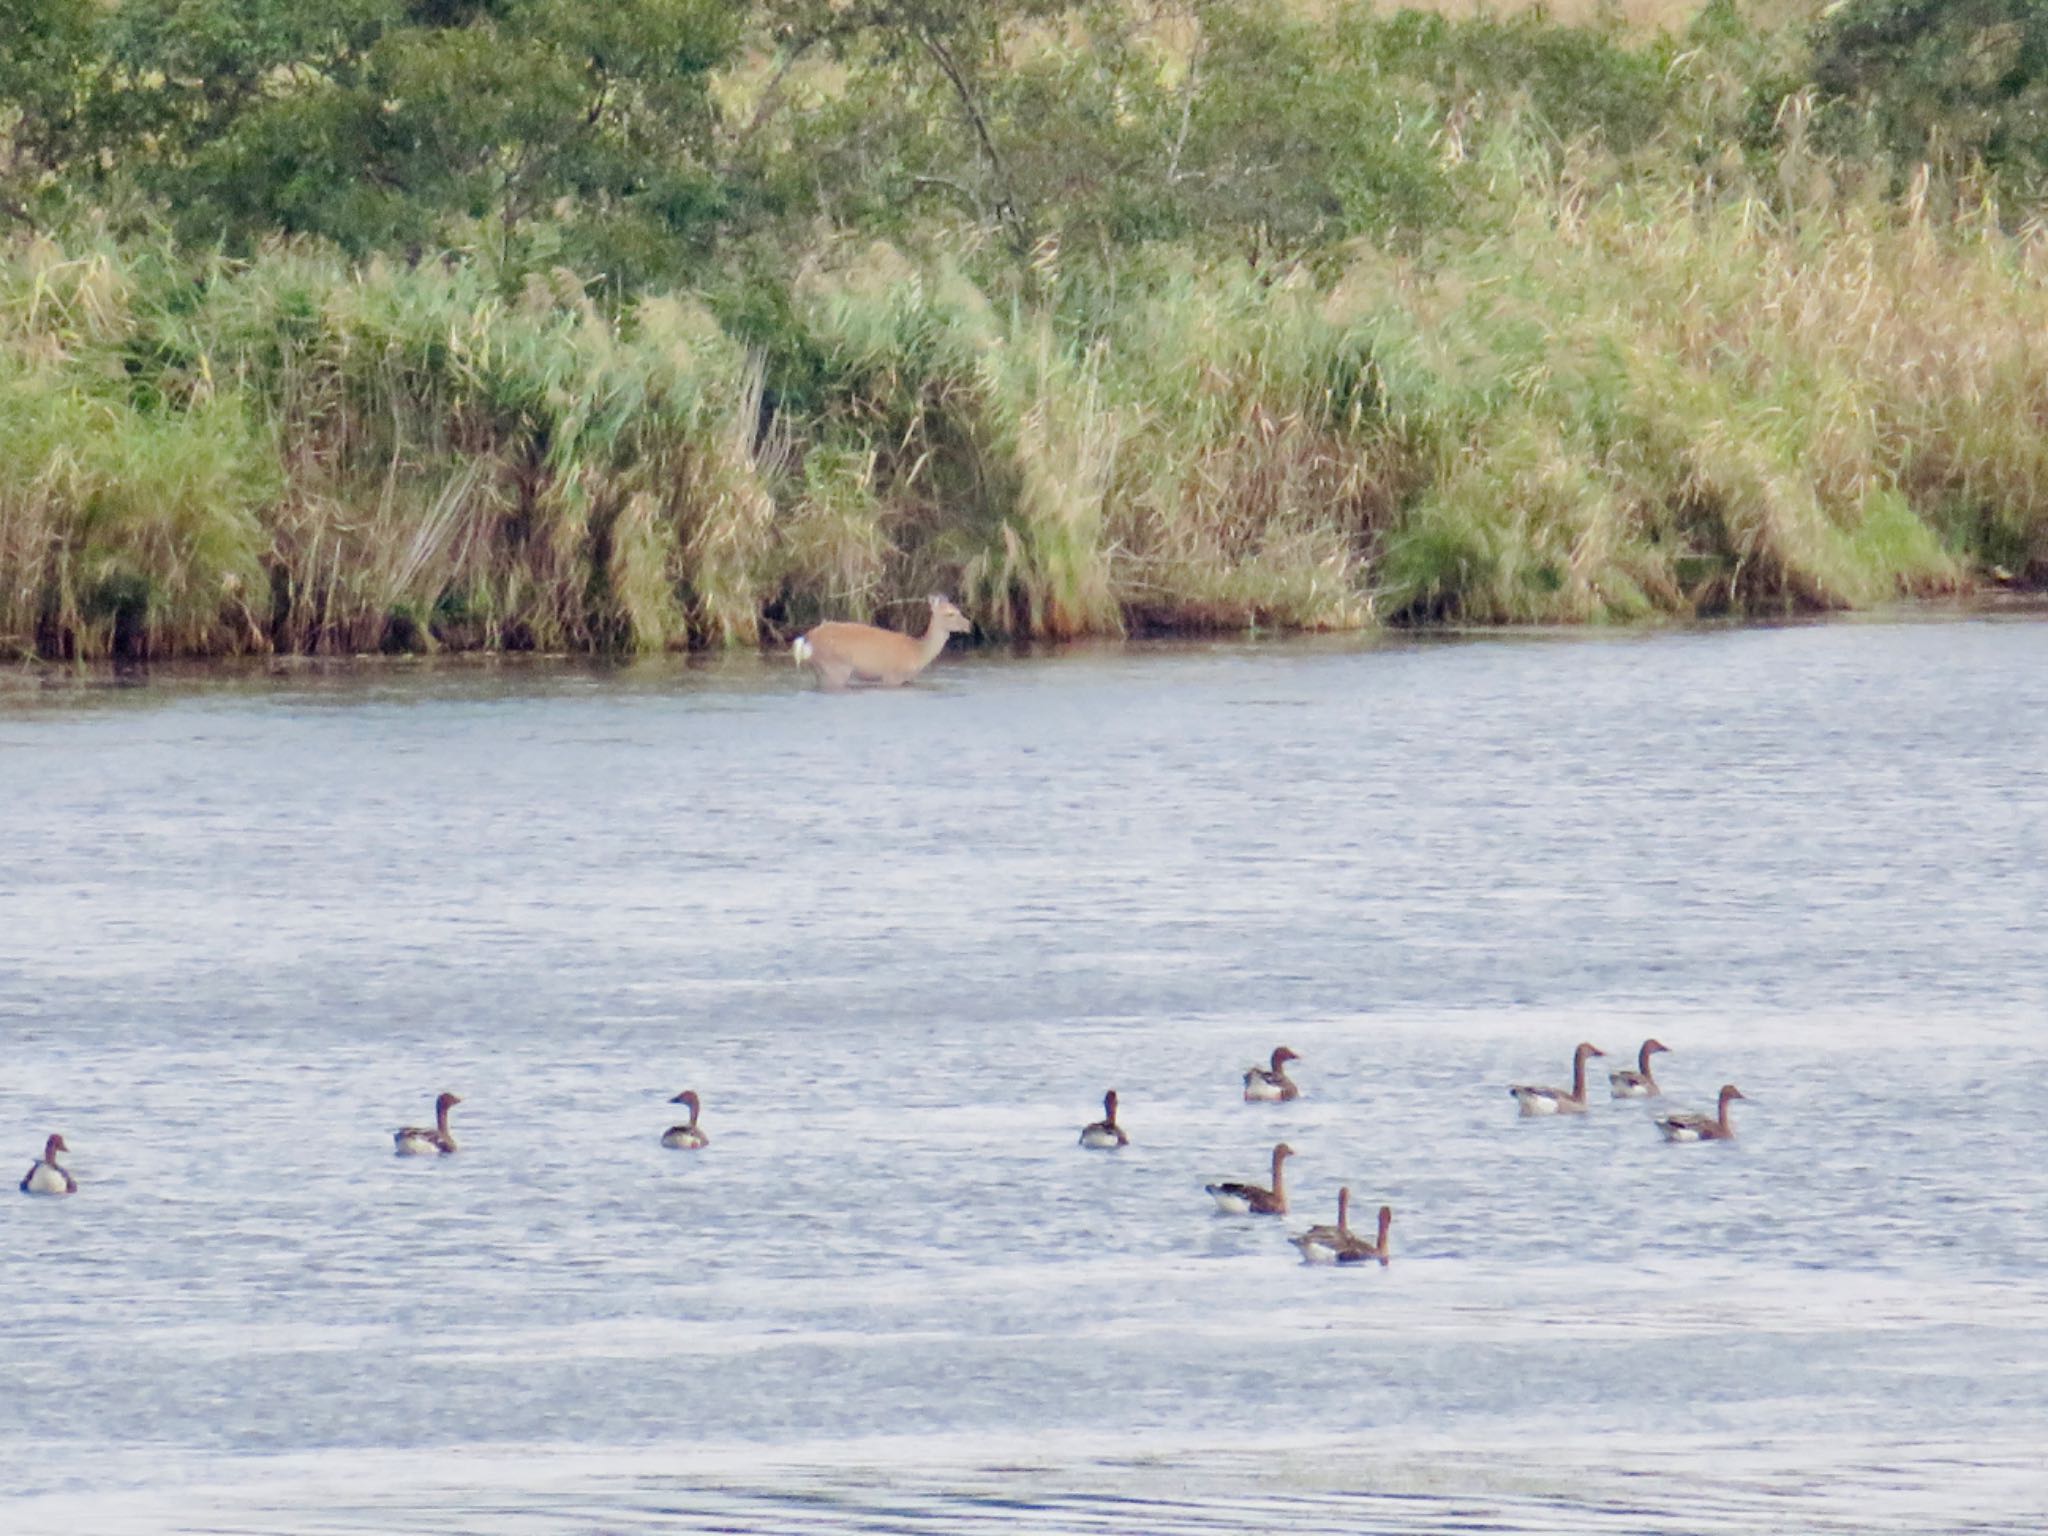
(123, 526)
(1620, 398)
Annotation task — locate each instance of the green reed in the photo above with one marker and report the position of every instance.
(1618, 399)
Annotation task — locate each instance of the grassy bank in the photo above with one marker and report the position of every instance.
(1615, 386)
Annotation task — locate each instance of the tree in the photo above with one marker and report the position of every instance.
(43, 71)
(379, 123)
(1942, 80)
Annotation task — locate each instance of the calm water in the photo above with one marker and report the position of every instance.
(902, 942)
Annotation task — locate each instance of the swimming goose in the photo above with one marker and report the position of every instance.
(1359, 1251)
(686, 1138)
(1249, 1199)
(44, 1177)
(1555, 1101)
(1319, 1244)
(1271, 1085)
(1105, 1132)
(1637, 1083)
(1341, 1245)
(415, 1141)
(1702, 1127)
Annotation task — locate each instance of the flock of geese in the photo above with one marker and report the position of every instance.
(1637, 1082)
(1323, 1244)
(46, 1176)
(1269, 1084)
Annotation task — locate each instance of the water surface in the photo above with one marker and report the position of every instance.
(902, 942)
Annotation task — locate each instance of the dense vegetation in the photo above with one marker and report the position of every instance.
(346, 324)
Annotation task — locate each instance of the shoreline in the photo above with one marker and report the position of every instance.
(770, 660)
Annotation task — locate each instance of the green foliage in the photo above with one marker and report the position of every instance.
(124, 528)
(510, 323)
(384, 126)
(1292, 146)
(42, 63)
(1095, 137)
(1954, 81)
(335, 458)
(1575, 81)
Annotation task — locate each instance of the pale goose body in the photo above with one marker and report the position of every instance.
(44, 1177)
(1234, 1199)
(1637, 1082)
(1341, 1245)
(1105, 1134)
(1556, 1101)
(1319, 1244)
(1271, 1084)
(1697, 1127)
(1359, 1251)
(418, 1141)
(686, 1137)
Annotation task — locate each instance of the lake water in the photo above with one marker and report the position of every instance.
(901, 943)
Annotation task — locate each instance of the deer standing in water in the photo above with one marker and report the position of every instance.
(860, 653)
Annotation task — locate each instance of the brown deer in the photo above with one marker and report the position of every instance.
(860, 653)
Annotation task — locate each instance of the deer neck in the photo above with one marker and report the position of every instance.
(933, 641)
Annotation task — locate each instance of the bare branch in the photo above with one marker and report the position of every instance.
(771, 100)
(1006, 201)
